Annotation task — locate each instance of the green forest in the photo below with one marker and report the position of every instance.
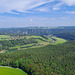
(50, 53)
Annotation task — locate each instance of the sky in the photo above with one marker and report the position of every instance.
(41, 13)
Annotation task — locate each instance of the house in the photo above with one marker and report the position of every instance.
(41, 44)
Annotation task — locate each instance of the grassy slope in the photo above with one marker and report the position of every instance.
(11, 71)
(21, 46)
(59, 41)
(34, 37)
(4, 37)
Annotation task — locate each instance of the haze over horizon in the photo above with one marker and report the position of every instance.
(46, 13)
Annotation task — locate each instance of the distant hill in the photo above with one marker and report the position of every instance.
(66, 32)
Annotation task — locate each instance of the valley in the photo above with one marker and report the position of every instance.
(7, 43)
(46, 54)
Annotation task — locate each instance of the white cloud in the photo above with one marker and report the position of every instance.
(70, 12)
(20, 5)
(57, 6)
(64, 2)
(45, 8)
(31, 20)
(42, 9)
(68, 2)
(7, 6)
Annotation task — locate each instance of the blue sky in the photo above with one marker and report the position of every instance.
(47, 13)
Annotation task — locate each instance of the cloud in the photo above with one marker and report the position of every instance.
(57, 6)
(63, 2)
(45, 8)
(69, 2)
(25, 6)
(20, 5)
(70, 12)
(31, 20)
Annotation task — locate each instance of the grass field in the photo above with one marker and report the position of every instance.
(34, 37)
(21, 46)
(4, 37)
(59, 40)
(11, 71)
(40, 42)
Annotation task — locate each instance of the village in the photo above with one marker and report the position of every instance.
(16, 37)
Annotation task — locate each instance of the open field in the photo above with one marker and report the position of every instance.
(59, 40)
(21, 46)
(11, 71)
(40, 43)
(4, 37)
(37, 41)
(34, 37)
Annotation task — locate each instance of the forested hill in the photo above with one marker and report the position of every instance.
(47, 60)
(45, 54)
(61, 32)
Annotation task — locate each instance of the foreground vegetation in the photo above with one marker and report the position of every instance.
(48, 60)
(11, 71)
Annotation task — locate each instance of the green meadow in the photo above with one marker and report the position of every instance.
(59, 40)
(4, 37)
(11, 71)
(43, 41)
